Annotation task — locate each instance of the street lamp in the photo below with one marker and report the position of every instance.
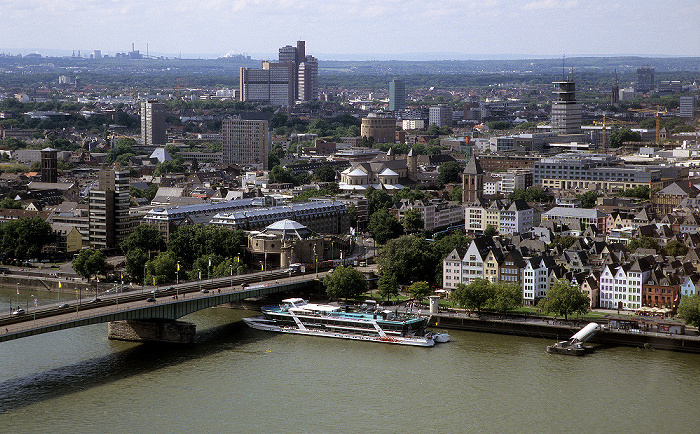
(17, 295)
(231, 277)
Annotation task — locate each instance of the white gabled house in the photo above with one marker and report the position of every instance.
(621, 285)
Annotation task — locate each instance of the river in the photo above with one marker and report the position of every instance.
(235, 379)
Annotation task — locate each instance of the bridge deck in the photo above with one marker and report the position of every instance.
(170, 304)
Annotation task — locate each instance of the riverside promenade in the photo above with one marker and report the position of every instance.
(559, 329)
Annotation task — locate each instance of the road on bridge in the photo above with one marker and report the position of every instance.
(55, 313)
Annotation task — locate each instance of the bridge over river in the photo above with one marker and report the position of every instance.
(150, 314)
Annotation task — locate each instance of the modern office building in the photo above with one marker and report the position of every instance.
(397, 95)
(645, 79)
(153, 124)
(245, 142)
(307, 79)
(304, 71)
(273, 83)
(687, 107)
(440, 115)
(566, 111)
(109, 221)
(576, 172)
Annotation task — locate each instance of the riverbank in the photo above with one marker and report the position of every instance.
(558, 330)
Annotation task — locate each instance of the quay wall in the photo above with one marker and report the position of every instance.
(562, 330)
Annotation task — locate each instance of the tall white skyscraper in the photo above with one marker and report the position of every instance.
(153, 129)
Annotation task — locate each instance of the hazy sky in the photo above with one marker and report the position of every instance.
(361, 29)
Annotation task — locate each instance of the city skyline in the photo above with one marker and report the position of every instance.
(354, 30)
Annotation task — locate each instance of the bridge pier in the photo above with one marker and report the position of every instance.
(156, 330)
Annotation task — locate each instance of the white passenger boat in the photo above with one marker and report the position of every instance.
(296, 315)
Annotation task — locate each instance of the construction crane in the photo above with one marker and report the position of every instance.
(605, 123)
(658, 111)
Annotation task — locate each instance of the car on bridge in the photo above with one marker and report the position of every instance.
(19, 311)
(64, 306)
(151, 300)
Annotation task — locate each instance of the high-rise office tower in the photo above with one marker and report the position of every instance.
(615, 91)
(273, 83)
(566, 111)
(245, 142)
(686, 108)
(305, 71)
(49, 165)
(397, 95)
(645, 79)
(153, 123)
(307, 80)
(440, 115)
(109, 210)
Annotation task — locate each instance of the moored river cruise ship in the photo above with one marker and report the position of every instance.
(296, 315)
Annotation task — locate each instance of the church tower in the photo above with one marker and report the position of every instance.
(472, 181)
(412, 163)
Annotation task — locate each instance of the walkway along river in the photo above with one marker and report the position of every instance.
(234, 379)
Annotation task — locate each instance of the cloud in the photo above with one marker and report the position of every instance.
(550, 4)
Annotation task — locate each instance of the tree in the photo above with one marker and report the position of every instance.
(352, 215)
(345, 282)
(588, 199)
(473, 296)
(564, 298)
(675, 248)
(325, 173)
(162, 268)
(190, 242)
(506, 296)
(530, 194)
(409, 258)
(419, 290)
(644, 243)
(689, 310)
(618, 137)
(449, 172)
(387, 286)
(89, 262)
(456, 194)
(25, 237)
(384, 226)
(565, 241)
(378, 199)
(9, 203)
(412, 221)
(490, 231)
(145, 237)
(135, 262)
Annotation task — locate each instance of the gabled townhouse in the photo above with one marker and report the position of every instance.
(517, 218)
(511, 268)
(492, 267)
(452, 268)
(471, 263)
(618, 220)
(591, 287)
(621, 286)
(661, 289)
(536, 279)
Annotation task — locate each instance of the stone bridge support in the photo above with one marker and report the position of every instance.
(154, 330)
